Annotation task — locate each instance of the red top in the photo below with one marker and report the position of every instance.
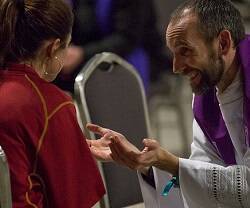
(49, 160)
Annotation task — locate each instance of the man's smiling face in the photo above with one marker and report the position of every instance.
(193, 56)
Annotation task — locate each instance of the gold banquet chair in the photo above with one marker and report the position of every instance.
(5, 190)
(109, 92)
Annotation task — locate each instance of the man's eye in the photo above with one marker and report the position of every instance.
(184, 51)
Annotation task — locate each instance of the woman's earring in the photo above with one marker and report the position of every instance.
(60, 63)
(44, 69)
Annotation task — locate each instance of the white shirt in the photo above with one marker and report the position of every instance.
(205, 181)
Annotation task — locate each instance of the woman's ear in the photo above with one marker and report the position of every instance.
(225, 42)
(52, 47)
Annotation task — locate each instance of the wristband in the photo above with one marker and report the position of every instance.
(173, 182)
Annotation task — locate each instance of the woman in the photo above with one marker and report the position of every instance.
(49, 159)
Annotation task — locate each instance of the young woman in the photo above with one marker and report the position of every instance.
(49, 159)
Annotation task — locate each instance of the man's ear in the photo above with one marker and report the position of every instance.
(52, 47)
(225, 42)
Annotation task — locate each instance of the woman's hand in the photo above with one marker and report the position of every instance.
(100, 147)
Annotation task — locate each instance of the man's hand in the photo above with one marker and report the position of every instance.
(151, 155)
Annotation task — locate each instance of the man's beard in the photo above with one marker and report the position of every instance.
(210, 76)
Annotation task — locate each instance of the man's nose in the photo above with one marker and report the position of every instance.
(178, 64)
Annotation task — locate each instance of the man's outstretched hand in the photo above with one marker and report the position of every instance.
(151, 155)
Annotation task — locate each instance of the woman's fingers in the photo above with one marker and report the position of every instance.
(89, 142)
(101, 154)
(97, 129)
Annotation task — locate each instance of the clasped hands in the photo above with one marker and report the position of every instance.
(113, 146)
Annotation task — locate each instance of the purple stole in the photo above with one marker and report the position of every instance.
(138, 57)
(208, 115)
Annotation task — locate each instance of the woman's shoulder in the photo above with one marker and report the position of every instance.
(51, 91)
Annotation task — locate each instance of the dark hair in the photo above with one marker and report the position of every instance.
(213, 17)
(26, 24)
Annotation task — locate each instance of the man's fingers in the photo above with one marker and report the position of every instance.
(121, 158)
(127, 156)
(127, 150)
(124, 145)
(115, 155)
(150, 144)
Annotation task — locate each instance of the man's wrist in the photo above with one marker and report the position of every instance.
(168, 162)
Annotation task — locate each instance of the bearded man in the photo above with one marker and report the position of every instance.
(209, 46)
